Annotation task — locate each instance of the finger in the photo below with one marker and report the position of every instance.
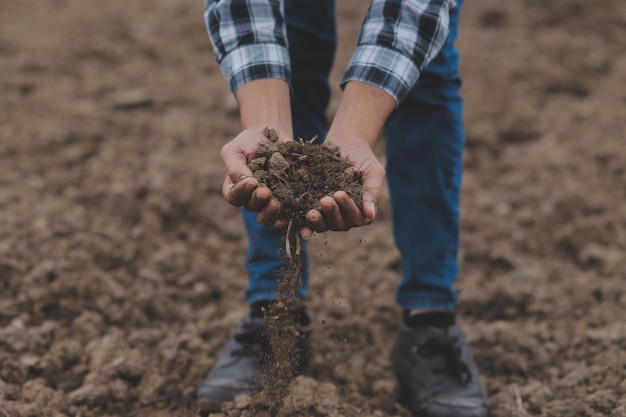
(315, 221)
(306, 233)
(332, 214)
(370, 206)
(259, 198)
(350, 212)
(235, 162)
(238, 193)
(372, 186)
(269, 214)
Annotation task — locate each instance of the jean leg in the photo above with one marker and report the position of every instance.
(312, 42)
(424, 146)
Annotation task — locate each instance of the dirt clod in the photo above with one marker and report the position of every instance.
(300, 173)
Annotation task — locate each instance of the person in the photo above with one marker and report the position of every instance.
(402, 81)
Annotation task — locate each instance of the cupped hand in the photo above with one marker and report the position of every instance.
(339, 212)
(240, 188)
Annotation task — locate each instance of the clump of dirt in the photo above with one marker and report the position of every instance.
(299, 173)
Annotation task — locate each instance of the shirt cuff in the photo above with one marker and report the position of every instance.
(254, 62)
(384, 68)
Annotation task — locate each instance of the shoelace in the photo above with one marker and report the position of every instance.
(448, 346)
(252, 340)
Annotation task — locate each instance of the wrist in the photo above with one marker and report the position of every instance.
(362, 113)
(266, 103)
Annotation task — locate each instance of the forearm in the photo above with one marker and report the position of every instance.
(362, 113)
(266, 103)
(262, 103)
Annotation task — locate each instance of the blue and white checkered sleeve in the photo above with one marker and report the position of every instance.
(397, 40)
(249, 39)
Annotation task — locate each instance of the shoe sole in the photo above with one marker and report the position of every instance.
(206, 406)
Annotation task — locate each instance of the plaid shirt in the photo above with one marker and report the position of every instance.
(397, 40)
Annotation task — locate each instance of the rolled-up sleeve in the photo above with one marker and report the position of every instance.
(397, 40)
(249, 39)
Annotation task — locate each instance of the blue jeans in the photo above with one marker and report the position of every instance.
(424, 144)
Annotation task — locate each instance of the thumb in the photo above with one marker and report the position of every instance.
(238, 180)
(372, 186)
(235, 163)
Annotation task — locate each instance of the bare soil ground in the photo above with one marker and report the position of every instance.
(121, 267)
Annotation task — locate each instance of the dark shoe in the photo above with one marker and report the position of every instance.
(437, 374)
(240, 368)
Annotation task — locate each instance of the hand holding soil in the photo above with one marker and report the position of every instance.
(339, 212)
(310, 180)
(240, 188)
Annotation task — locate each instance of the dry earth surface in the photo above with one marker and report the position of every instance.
(121, 267)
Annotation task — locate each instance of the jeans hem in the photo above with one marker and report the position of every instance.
(422, 303)
(267, 296)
